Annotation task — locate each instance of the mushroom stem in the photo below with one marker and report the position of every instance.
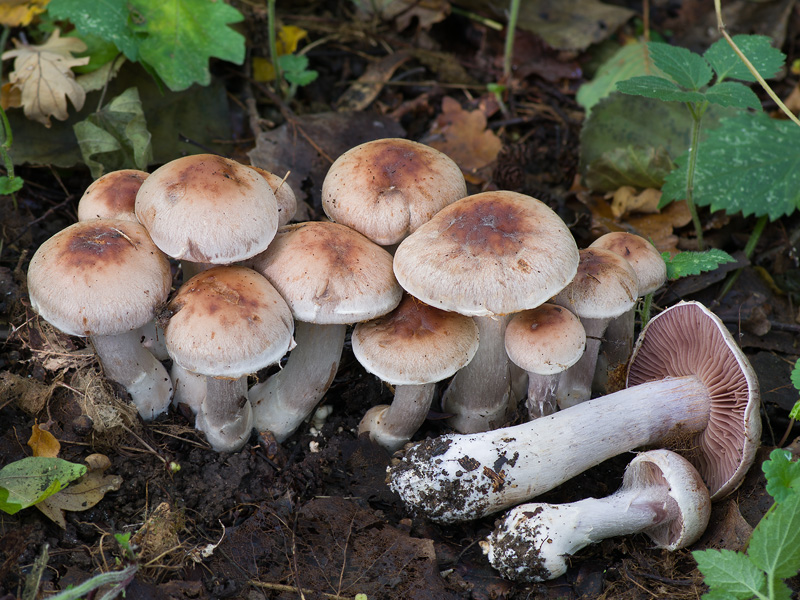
(542, 391)
(282, 402)
(190, 388)
(479, 395)
(128, 363)
(225, 415)
(461, 477)
(575, 385)
(392, 425)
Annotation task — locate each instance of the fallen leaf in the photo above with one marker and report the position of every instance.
(159, 533)
(402, 12)
(366, 88)
(19, 13)
(83, 493)
(626, 200)
(462, 135)
(43, 75)
(43, 443)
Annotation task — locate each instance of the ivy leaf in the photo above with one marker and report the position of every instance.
(26, 482)
(688, 69)
(730, 572)
(180, 36)
(758, 50)
(688, 263)
(106, 19)
(782, 473)
(659, 88)
(775, 543)
(732, 93)
(744, 167)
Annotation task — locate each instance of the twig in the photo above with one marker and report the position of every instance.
(281, 587)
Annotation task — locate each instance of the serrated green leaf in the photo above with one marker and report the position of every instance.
(688, 69)
(718, 594)
(180, 36)
(782, 473)
(25, 482)
(295, 69)
(730, 572)
(775, 543)
(758, 50)
(745, 166)
(659, 88)
(688, 263)
(9, 185)
(733, 93)
(107, 19)
(795, 412)
(795, 376)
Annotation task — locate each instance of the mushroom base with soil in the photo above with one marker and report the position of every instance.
(392, 425)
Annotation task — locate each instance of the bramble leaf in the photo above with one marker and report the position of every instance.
(688, 69)
(775, 543)
(25, 482)
(730, 572)
(758, 50)
(782, 473)
(659, 88)
(733, 93)
(107, 19)
(688, 263)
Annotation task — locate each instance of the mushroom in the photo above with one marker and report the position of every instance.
(604, 288)
(385, 189)
(651, 273)
(412, 348)
(486, 256)
(225, 323)
(112, 196)
(104, 279)
(284, 195)
(691, 389)
(206, 210)
(544, 341)
(330, 276)
(662, 496)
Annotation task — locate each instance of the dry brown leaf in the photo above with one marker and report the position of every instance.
(366, 88)
(43, 76)
(402, 12)
(43, 443)
(625, 200)
(463, 136)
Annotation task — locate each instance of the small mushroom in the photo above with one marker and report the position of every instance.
(412, 347)
(662, 496)
(284, 194)
(691, 389)
(112, 196)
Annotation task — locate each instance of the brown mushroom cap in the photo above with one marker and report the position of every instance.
(545, 340)
(112, 196)
(208, 209)
(387, 188)
(415, 343)
(329, 274)
(228, 322)
(650, 268)
(98, 277)
(688, 339)
(492, 253)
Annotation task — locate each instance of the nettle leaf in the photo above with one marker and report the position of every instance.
(730, 572)
(106, 19)
(782, 473)
(688, 263)
(26, 482)
(180, 36)
(659, 88)
(732, 93)
(775, 543)
(758, 50)
(688, 69)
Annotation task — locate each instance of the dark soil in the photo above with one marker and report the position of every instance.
(313, 517)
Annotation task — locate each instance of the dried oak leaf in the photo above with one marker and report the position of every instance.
(44, 79)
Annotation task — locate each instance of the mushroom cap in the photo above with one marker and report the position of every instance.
(228, 322)
(387, 188)
(284, 194)
(604, 287)
(112, 196)
(545, 340)
(208, 209)
(650, 268)
(686, 487)
(492, 253)
(415, 344)
(329, 274)
(688, 339)
(99, 277)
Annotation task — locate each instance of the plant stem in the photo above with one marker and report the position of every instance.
(513, 15)
(749, 248)
(119, 579)
(8, 139)
(697, 117)
(273, 45)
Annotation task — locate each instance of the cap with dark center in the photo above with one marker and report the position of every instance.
(387, 188)
(650, 268)
(112, 196)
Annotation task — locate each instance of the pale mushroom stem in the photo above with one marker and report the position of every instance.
(514, 464)
(128, 363)
(225, 415)
(575, 384)
(392, 425)
(283, 401)
(151, 336)
(542, 394)
(190, 388)
(479, 395)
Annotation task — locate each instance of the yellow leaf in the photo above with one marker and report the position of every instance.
(43, 76)
(288, 38)
(43, 443)
(263, 69)
(19, 13)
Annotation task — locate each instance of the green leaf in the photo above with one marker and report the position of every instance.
(775, 543)
(180, 36)
(688, 263)
(106, 19)
(688, 69)
(659, 88)
(758, 50)
(795, 376)
(744, 166)
(795, 412)
(295, 69)
(26, 482)
(9, 185)
(733, 93)
(637, 166)
(116, 137)
(730, 572)
(782, 473)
